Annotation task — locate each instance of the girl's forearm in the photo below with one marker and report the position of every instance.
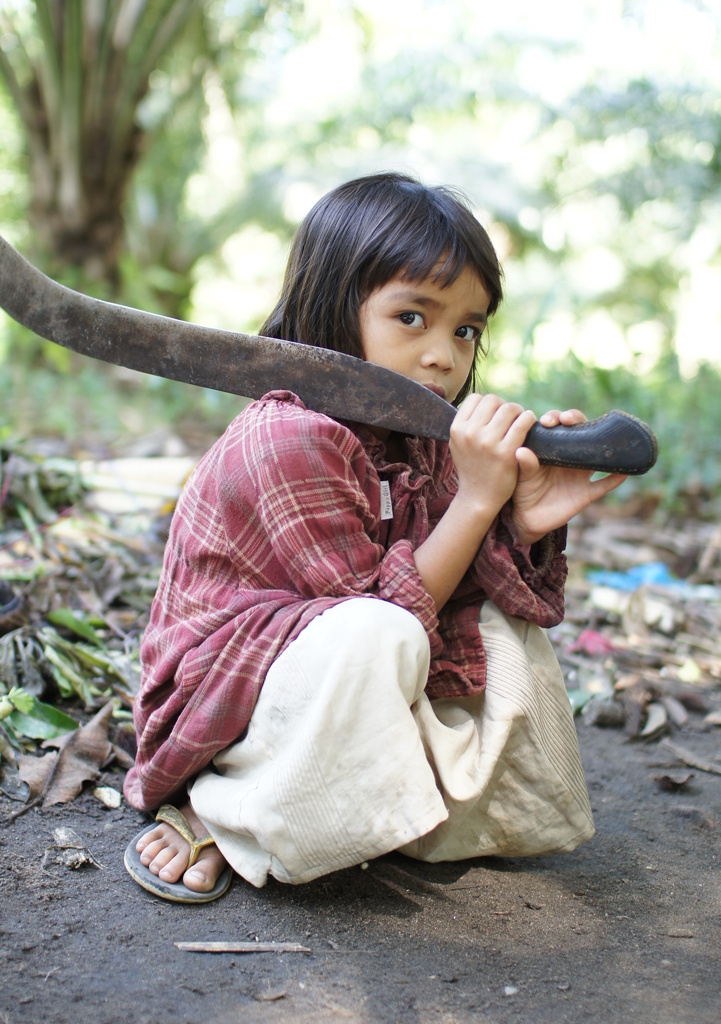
(444, 557)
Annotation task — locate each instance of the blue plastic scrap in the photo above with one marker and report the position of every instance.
(654, 574)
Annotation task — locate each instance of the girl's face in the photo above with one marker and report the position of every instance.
(424, 331)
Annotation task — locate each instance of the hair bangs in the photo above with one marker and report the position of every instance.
(433, 234)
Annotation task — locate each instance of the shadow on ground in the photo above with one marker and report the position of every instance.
(626, 928)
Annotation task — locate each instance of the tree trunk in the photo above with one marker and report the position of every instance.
(77, 75)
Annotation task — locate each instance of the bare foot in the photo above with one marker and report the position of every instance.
(166, 854)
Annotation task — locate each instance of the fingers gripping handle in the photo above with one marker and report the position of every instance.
(614, 443)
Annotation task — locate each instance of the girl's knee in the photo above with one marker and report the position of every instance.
(382, 632)
(383, 622)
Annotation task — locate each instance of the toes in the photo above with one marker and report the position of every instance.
(203, 875)
(166, 855)
(172, 869)
(161, 851)
(197, 879)
(164, 852)
(149, 837)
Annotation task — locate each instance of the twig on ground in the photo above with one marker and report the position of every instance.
(242, 947)
(688, 757)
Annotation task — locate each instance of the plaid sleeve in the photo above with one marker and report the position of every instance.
(522, 580)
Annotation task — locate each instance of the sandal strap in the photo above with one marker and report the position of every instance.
(177, 820)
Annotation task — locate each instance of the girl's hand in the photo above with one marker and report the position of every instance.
(546, 497)
(486, 435)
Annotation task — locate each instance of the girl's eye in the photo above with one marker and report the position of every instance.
(411, 319)
(469, 333)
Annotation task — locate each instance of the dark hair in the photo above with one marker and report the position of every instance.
(361, 235)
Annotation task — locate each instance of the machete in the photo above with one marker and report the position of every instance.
(339, 385)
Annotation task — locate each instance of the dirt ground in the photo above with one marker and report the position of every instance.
(626, 928)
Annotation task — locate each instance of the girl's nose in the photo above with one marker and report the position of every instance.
(439, 352)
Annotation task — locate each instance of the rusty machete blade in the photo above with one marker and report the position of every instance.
(330, 382)
(333, 383)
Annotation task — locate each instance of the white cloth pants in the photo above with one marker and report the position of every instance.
(345, 758)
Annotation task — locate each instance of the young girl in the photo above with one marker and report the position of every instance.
(344, 656)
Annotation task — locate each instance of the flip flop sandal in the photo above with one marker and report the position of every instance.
(177, 892)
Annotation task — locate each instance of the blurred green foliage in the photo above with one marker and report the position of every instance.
(621, 172)
(100, 410)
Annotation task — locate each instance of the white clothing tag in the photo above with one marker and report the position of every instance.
(386, 503)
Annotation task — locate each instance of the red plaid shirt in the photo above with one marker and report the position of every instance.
(280, 520)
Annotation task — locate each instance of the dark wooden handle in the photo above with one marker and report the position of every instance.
(614, 443)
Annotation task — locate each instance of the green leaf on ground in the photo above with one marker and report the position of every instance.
(66, 618)
(41, 722)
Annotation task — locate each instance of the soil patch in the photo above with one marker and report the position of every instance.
(625, 928)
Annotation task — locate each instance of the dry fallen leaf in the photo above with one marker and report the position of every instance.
(673, 781)
(72, 851)
(122, 757)
(676, 711)
(58, 778)
(36, 771)
(635, 701)
(656, 721)
(269, 995)
(627, 680)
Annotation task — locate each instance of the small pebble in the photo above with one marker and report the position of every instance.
(108, 796)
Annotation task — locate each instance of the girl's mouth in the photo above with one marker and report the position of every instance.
(436, 389)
